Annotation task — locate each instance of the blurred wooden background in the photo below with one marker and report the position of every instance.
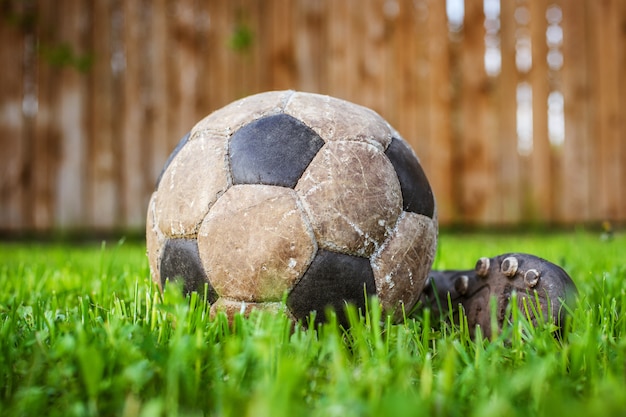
(514, 107)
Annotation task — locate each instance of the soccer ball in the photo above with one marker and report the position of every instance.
(293, 201)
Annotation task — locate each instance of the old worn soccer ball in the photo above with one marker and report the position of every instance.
(296, 197)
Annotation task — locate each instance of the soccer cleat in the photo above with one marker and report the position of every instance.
(543, 289)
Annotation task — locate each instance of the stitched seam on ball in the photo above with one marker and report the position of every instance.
(287, 99)
(300, 204)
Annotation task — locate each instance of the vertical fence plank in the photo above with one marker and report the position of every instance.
(118, 66)
(353, 72)
(311, 40)
(540, 175)
(134, 172)
(440, 168)
(247, 58)
(282, 60)
(621, 91)
(46, 139)
(175, 40)
(71, 116)
(222, 28)
(605, 20)
(575, 194)
(184, 70)
(477, 202)
(408, 76)
(13, 32)
(202, 95)
(340, 60)
(371, 29)
(157, 137)
(400, 82)
(103, 190)
(395, 19)
(508, 171)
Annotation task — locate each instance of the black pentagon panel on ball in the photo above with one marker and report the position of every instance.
(417, 195)
(332, 280)
(180, 260)
(182, 142)
(273, 150)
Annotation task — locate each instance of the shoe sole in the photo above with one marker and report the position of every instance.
(543, 291)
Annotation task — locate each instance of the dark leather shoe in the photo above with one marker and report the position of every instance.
(545, 286)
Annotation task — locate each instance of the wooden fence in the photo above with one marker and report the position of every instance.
(514, 107)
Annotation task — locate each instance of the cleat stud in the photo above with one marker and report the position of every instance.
(461, 284)
(531, 277)
(509, 266)
(482, 267)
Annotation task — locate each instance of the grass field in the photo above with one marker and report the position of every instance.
(84, 332)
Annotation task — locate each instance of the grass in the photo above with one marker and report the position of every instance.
(83, 332)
